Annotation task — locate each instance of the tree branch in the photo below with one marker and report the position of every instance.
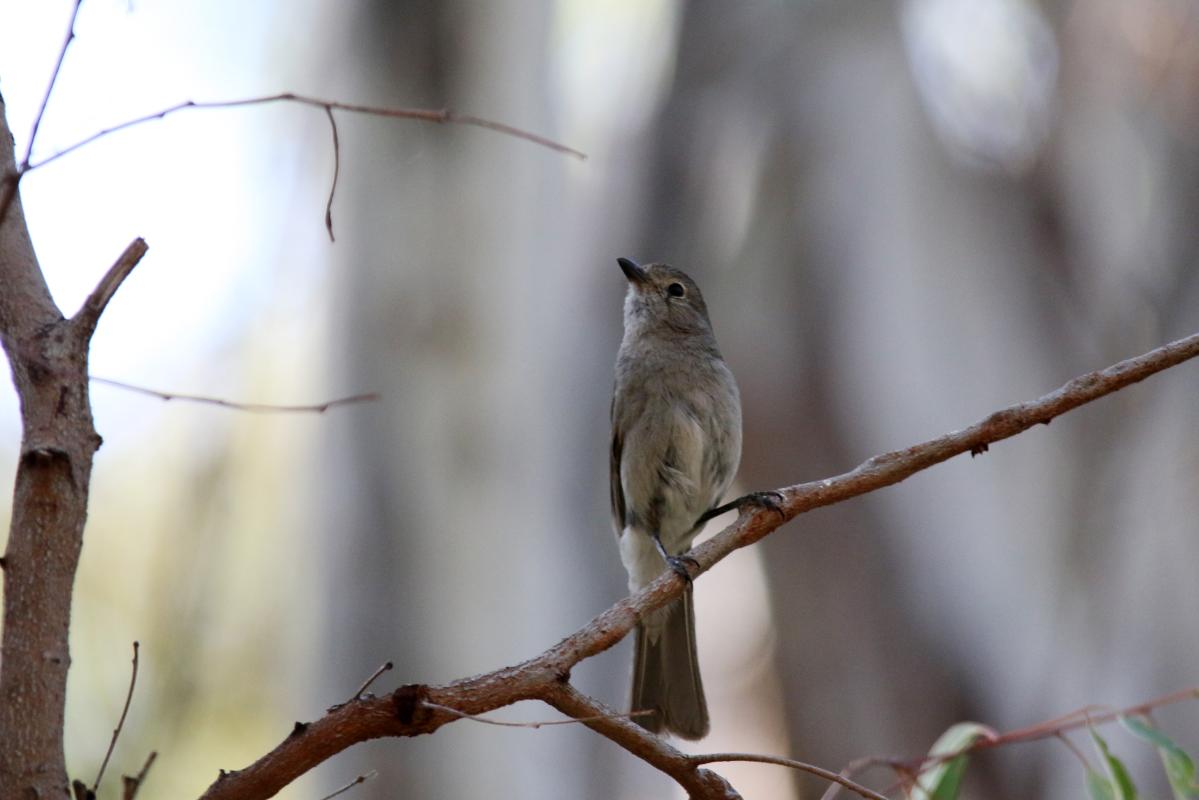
(336, 173)
(253, 408)
(48, 357)
(909, 769)
(131, 784)
(438, 116)
(12, 177)
(654, 750)
(413, 710)
(360, 779)
(41, 111)
(116, 733)
(820, 772)
(89, 313)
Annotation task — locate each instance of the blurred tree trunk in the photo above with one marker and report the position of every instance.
(884, 293)
(868, 290)
(454, 535)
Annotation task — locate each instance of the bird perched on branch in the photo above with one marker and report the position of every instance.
(676, 444)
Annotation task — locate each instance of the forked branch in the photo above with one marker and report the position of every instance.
(416, 709)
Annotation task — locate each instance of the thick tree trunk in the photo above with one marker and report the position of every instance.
(48, 356)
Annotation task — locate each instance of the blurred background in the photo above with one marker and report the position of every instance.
(904, 215)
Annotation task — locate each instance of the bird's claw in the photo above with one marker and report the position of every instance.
(679, 564)
(771, 500)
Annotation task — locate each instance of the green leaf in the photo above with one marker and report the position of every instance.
(1119, 780)
(1099, 787)
(943, 782)
(1180, 768)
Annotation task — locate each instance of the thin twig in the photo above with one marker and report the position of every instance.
(537, 724)
(1083, 718)
(438, 116)
(89, 313)
(255, 408)
(120, 723)
(360, 779)
(62, 54)
(1056, 727)
(442, 117)
(134, 784)
(853, 768)
(374, 676)
(820, 772)
(336, 173)
(12, 180)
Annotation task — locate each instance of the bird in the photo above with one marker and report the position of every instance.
(676, 447)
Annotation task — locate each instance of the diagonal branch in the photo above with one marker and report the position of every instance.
(8, 187)
(89, 313)
(133, 783)
(654, 750)
(891, 468)
(116, 733)
(41, 111)
(413, 710)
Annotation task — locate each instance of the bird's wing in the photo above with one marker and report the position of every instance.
(615, 489)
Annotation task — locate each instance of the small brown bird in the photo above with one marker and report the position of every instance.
(676, 445)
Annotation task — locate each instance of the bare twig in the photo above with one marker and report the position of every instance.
(336, 173)
(255, 408)
(41, 111)
(853, 768)
(537, 724)
(820, 772)
(374, 676)
(120, 723)
(1057, 727)
(89, 313)
(360, 779)
(411, 711)
(133, 784)
(13, 179)
(442, 117)
(1083, 718)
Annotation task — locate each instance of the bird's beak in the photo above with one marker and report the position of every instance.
(632, 271)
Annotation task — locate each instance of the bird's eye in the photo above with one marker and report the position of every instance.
(676, 290)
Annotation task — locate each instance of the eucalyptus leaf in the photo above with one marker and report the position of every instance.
(944, 781)
(1119, 780)
(1180, 768)
(1099, 787)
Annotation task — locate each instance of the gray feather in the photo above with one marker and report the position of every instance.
(666, 676)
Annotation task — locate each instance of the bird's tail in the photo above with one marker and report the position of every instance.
(666, 673)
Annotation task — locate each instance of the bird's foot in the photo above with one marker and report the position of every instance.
(771, 500)
(681, 566)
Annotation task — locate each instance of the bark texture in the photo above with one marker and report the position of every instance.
(48, 357)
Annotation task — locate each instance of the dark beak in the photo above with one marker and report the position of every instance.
(632, 271)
